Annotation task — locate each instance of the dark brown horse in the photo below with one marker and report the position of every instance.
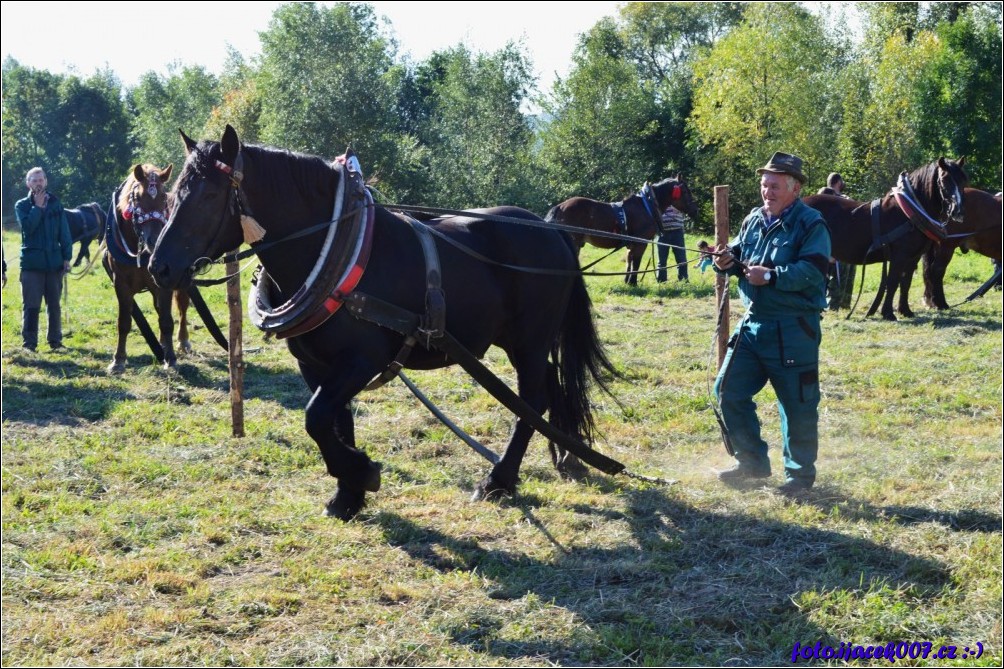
(861, 236)
(642, 214)
(980, 231)
(377, 264)
(86, 223)
(137, 217)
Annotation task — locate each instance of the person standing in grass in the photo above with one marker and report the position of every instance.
(46, 249)
(780, 257)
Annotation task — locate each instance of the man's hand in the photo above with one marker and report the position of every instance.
(724, 258)
(40, 197)
(756, 275)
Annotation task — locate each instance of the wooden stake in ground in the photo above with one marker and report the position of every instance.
(722, 281)
(236, 348)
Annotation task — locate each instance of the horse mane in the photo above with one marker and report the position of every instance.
(925, 181)
(288, 171)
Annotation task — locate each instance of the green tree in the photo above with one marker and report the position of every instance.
(477, 139)
(327, 81)
(960, 100)
(183, 99)
(75, 129)
(601, 121)
(767, 86)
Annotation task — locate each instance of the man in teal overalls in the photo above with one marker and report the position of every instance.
(781, 257)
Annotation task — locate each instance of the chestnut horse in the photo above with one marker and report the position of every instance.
(863, 233)
(980, 231)
(134, 222)
(642, 218)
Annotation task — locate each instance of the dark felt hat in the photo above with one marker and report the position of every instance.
(784, 163)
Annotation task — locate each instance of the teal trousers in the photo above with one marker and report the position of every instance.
(784, 352)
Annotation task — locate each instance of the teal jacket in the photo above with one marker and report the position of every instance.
(797, 248)
(45, 235)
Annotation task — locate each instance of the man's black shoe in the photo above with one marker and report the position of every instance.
(742, 473)
(794, 488)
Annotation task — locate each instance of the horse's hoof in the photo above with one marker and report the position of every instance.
(889, 317)
(185, 346)
(117, 367)
(345, 504)
(371, 479)
(907, 314)
(490, 490)
(170, 364)
(571, 468)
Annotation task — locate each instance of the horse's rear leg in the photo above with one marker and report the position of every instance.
(633, 265)
(182, 300)
(329, 423)
(532, 383)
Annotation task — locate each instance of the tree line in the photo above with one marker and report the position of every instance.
(706, 89)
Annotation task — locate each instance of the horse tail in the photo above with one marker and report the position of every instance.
(577, 354)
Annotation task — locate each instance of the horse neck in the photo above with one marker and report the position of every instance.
(283, 206)
(925, 186)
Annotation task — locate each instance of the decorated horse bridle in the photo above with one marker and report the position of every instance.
(141, 220)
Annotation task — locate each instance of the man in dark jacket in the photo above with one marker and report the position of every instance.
(46, 249)
(781, 257)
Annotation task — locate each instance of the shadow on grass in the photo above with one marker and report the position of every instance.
(688, 587)
(960, 520)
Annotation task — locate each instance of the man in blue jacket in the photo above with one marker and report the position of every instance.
(46, 249)
(780, 256)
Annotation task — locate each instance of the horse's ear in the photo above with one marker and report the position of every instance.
(230, 144)
(165, 174)
(189, 142)
(961, 161)
(137, 173)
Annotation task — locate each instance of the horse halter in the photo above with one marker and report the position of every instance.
(953, 201)
(141, 218)
(234, 207)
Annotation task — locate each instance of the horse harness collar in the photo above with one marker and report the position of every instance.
(336, 273)
(906, 199)
(917, 218)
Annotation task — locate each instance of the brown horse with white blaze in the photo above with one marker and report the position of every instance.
(135, 221)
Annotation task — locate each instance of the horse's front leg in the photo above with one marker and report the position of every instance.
(532, 381)
(329, 423)
(633, 265)
(124, 297)
(182, 300)
(162, 302)
(904, 291)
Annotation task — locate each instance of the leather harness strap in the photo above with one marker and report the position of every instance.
(430, 325)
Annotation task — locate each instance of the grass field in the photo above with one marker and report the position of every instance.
(137, 531)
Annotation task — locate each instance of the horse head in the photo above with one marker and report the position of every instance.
(674, 191)
(144, 201)
(952, 179)
(205, 218)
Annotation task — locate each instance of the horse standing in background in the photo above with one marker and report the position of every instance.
(135, 220)
(637, 216)
(897, 228)
(86, 223)
(980, 231)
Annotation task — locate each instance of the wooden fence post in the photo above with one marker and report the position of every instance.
(722, 282)
(236, 348)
